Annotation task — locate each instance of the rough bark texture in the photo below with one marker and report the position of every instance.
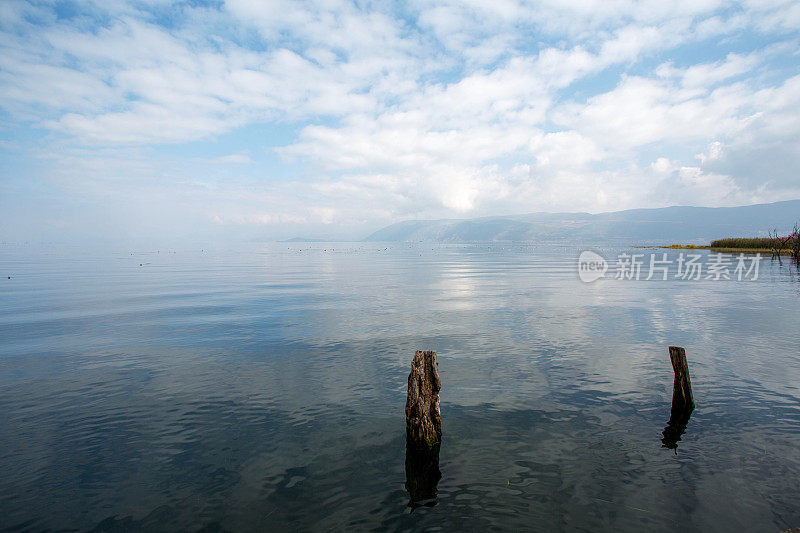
(682, 399)
(423, 419)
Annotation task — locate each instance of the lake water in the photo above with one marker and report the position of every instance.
(263, 387)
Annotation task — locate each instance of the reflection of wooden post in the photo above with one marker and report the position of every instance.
(422, 476)
(682, 398)
(423, 418)
(675, 429)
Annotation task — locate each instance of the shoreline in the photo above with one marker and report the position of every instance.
(716, 249)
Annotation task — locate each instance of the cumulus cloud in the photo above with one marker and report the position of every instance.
(358, 114)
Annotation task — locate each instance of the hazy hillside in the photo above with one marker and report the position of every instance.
(664, 225)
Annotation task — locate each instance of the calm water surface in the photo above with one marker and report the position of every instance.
(262, 387)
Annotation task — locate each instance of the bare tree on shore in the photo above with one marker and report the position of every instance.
(794, 244)
(790, 243)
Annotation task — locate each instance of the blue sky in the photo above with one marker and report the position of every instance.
(238, 119)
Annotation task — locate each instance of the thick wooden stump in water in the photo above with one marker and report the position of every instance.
(423, 418)
(682, 398)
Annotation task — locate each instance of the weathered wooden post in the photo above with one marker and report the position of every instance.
(682, 399)
(682, 386)
(423, 418)
(423, 430)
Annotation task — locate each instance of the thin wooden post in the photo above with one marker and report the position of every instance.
(682, 398)
(423, 418)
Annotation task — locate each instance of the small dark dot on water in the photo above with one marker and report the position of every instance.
(140, 264)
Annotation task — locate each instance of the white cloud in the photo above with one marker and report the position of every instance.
(236, 159)
(426, 109)
(565, 149)
(712, 153)
(662, 165)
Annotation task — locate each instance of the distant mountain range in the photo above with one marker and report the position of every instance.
(668, 225)
(303, 239)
